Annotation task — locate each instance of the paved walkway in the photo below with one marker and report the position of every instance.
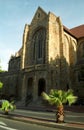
(76, 108)
(46, 122)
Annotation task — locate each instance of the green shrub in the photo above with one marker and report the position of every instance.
(7, 106)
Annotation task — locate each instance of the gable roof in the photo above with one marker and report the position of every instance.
(68, 31)
(78, 31)
(39, 12)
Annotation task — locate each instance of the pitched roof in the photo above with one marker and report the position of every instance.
(68, 31)
(78, 31)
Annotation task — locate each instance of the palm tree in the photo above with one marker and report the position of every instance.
(7, 106)
(59, 98)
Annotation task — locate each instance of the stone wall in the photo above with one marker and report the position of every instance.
(11, 85)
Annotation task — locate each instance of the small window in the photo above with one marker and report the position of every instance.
(38, 15)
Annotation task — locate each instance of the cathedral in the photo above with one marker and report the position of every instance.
(51, 57)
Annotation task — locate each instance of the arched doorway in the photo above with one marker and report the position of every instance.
(41, 86)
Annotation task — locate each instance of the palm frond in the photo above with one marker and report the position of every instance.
(45, 96)
(71, 99)
(59, 97)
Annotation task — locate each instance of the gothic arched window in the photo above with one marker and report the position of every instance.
(66, 49)
(39, 49)
(39, 45)
(81, 50)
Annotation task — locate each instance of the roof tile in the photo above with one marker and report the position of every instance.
(78, 31)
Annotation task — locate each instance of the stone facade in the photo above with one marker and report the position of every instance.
(51, 57)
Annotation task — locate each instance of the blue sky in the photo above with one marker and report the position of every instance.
(14, 14)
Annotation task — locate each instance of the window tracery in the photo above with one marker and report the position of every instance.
(39, 45)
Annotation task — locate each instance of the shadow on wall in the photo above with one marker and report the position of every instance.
(61, 71)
